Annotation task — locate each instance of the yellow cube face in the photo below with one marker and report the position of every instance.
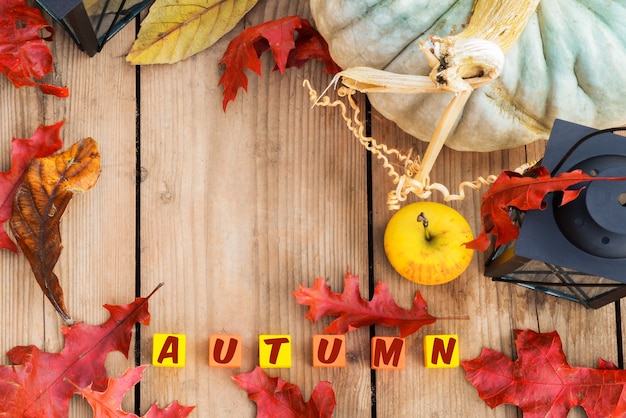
(168, 350)
(441, 351)
(275, 351)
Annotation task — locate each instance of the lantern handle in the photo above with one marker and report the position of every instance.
(578, 143)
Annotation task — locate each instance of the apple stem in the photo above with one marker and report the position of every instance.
(422, 218)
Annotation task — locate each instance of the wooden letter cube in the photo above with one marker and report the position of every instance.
(225, 351)
(168, 350)
(329, 351)
(275, 351)
(388, 353)
(441, 351)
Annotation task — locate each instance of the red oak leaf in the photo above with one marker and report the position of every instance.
(275, 397)
(244, 51)
(24, 56)
(44, 142)
(355, 312)
(541, 382)
(40, 384)
(107, 404)
(524, 192)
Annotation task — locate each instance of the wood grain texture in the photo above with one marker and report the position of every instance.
(97, 264)
(236, 210)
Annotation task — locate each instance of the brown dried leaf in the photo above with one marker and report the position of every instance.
(49, 184)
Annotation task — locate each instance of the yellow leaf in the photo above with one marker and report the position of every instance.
(177, 29)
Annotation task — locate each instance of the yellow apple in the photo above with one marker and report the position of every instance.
(424, 242)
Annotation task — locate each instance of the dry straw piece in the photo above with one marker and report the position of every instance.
(406, 183)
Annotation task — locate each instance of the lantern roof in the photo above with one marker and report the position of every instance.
(60, 8)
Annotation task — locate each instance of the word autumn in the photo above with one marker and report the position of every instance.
(387, 353)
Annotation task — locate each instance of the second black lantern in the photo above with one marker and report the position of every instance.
(576, 251)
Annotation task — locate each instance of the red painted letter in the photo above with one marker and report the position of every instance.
(333, 354)
(275, 343)
(380, 351)
(230, 352)
(170, 349)
(439, 350)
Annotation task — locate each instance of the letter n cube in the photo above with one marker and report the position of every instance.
(441, 351)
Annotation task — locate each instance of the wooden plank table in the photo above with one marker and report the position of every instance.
(232, 211)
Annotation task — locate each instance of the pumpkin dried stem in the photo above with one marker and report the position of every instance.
(443, 129)
(405, 183)
(500, 21)
(460, 63)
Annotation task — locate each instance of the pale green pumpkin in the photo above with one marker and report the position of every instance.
(569, 63)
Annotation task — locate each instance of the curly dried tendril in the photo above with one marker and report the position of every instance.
(406, 183)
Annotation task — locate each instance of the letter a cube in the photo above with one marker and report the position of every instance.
(168, 350)
(225, 351)
(441, 351)
(275, 351)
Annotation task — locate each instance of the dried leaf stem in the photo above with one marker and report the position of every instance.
(406, 183)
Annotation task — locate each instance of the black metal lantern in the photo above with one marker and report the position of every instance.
(576, 251)
(91, 23)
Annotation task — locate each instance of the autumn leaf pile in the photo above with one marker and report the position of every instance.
(34, 194)
(40, 384)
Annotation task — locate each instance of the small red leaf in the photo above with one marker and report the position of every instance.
(355, 312)
(107, 404)
(275, 397)
(24, 56)
(524, 192)
(244, 51)
(44, 142)
(542, 383)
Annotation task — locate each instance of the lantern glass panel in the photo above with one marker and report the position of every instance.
(109, 16)
(92, 23)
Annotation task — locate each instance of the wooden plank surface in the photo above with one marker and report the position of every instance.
(236, 209)
(97, 264)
